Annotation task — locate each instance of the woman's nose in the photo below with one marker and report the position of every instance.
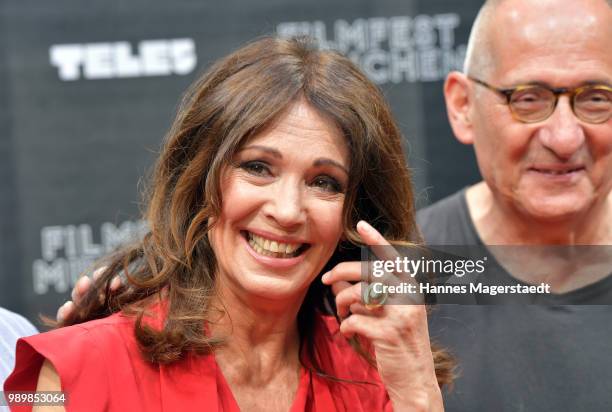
(286, 204)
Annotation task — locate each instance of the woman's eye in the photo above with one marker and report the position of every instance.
(256, 168)
(327, 183)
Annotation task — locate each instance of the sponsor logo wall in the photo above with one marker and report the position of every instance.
(89, 90)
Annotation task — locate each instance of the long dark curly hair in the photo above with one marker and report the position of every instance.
(232, 102)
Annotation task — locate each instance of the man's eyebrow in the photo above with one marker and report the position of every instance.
(322, 161)
(595, 82)
(529, 83)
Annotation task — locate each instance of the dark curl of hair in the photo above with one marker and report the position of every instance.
(235, 99)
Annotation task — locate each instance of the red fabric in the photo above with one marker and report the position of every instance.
(101, 369)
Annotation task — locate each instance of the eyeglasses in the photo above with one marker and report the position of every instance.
(535, 103)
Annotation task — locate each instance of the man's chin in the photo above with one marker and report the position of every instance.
(554, 209)
(551, 202)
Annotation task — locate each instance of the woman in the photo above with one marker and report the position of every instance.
(276, 154)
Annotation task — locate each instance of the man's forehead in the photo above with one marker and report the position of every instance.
(550, 13)
(551, 34)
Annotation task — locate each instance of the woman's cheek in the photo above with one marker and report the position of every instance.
(328, 216)
(241, 197)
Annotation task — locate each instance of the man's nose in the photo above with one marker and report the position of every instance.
(286, 204)
(562, 133)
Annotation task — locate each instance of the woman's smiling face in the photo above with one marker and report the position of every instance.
(282, 203)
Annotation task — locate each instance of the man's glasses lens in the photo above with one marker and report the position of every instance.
(532, 104)
(592, 104)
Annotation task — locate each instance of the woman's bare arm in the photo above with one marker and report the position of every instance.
(48, 380)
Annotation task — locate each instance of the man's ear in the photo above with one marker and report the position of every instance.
(459, 106)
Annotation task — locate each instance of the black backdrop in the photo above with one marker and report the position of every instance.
(88, 90)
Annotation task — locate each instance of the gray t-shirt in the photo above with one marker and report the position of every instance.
(515, 357)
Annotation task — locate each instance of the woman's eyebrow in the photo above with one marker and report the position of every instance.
(321, 161)
(266, 149)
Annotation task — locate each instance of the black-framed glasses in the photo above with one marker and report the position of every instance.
(535, 103)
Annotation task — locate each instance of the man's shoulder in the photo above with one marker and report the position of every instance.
(442, 208)
(12, 327)
(447, 222)
(16, 323)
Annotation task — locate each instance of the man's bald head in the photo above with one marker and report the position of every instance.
(478, 58)
(480, 55)
(559, 44)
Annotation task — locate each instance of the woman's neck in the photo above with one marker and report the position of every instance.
(261, 338)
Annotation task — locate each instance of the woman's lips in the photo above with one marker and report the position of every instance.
(270, 247)
(262, 249)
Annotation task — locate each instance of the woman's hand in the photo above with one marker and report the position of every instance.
(398, 333)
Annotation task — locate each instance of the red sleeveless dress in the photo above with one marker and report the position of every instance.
(101, 369)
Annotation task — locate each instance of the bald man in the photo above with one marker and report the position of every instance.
(535, 101)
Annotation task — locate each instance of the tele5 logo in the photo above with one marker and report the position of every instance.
(118, 59)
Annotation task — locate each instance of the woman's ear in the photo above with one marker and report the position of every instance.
(459, 102)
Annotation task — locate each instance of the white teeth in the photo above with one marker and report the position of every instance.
(272, 248)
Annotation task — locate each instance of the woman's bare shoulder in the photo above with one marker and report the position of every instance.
(48, 380)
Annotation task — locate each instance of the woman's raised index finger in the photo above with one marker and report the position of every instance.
(383, 250)
(370, 235)
(377, 242)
